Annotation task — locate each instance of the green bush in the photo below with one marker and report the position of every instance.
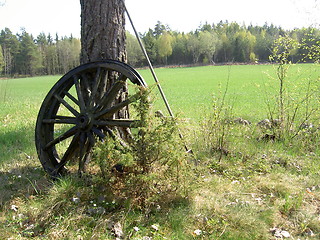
(149, 167)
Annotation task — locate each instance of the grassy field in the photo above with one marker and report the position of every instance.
(245, 186)
(192, 90)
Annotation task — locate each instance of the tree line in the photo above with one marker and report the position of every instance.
(219, 43)
(23, 54)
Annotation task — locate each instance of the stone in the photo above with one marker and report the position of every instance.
(117, 228)
(285, 234)
(242, 121)
(265, 123)
(278, 233)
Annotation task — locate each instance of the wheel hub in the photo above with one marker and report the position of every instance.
(84, 121)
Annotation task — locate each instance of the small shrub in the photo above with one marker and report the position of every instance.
(151, 169)
(215, 128)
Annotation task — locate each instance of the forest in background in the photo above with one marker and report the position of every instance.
(22, 54)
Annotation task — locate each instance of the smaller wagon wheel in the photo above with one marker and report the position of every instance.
(78, 111)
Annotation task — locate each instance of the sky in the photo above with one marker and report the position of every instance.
(63, 16)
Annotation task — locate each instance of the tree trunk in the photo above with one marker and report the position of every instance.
(103, 36)
(103, 32)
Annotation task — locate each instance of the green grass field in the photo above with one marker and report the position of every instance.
(187, 89)
(191, 90)
(243, 187)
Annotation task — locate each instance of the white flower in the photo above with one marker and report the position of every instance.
(197, 232)
(136, 229)
(285, 234)
(146, 238)
(155, 227)
(14, 208)
(75, 200)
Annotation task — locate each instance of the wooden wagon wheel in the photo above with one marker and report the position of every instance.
(78, 111)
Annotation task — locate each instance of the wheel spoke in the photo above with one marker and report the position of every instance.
(98, 132)
(60, 120)
(95, 86)
(117, 123)
(67, 105)
(91, 139)
(108, 112)
(110, 96)
(89, 145)
(122, 77)
(69, 153)
(62, 137)
(85, 86)
(79, 93)
(71, 97)
(82, 142)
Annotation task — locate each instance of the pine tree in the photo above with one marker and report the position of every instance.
(1, 60)
(10, 48)
(28, 58)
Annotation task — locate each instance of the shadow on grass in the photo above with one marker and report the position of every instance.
(21, 174)
(17, 144)
(22, 182)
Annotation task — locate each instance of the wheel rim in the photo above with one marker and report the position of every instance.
(78, 111)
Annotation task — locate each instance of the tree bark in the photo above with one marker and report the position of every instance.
(103, 34)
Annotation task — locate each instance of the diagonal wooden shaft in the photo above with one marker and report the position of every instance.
(155, 76)
(149, 64)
